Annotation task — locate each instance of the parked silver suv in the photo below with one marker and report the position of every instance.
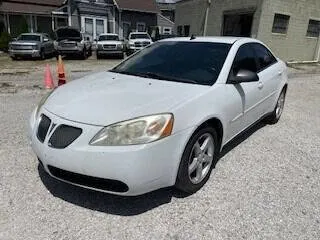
(35, 45)
(71, 42)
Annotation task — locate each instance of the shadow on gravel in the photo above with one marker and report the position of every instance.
(104, 202)
(119, 205)
(241, 138)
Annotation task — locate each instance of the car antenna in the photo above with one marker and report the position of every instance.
(192, 37)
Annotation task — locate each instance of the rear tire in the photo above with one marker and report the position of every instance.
(276, 114)
(197, 160)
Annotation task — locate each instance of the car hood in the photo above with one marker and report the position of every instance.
(22, 42)
(105, 98)
(68, 33)
(109, 42)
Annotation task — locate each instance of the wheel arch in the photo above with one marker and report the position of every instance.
(214, 122)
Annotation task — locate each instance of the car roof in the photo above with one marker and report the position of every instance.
(138, 33)
(108, 34)
(218, 39)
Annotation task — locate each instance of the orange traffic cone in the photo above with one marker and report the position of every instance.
(61, 72)
(48, 81)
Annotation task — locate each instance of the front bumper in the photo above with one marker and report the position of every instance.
(26, 53)
(142, 168)
(109, 52)
(69, 51)
(135, 49)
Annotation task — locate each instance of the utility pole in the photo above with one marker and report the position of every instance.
(69, 12)
(206, 18)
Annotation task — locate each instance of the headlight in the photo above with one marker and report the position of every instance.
(119, 46)
(136, 131)
(42, 101)
(100, 46)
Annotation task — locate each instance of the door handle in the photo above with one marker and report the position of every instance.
(260, 85)
(280, 73)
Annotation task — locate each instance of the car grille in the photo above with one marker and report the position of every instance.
(63, 136)
(43, 127)
(68, 44)
(21, 47)
(141, 44)
(109, 46)
(88, 181)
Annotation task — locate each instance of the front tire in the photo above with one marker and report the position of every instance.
(42, 55)
(84, 54)
(198, 158)
(276, 114)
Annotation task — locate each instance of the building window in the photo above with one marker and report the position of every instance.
(186, 30)
(179, 31)
(88, 26)
(313, 28)
(280, 23)
(61, 22)
(94, 26)
(167, 30)
(141, 27)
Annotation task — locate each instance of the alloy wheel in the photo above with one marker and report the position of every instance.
(201, 157)
(280, 105)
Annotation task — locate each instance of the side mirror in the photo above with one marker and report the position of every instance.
(13, 39)
(46, 40)
(244, 76)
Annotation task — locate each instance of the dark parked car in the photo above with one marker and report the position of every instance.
(71, 42)
(34, 45)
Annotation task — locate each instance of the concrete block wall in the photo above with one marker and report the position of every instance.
(219, 7)
(191, 12)
(295, 45)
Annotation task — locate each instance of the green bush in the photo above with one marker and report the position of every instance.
(5, 38)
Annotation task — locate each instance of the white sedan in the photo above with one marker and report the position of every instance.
(159, 118)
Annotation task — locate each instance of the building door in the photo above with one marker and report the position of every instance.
(238, 25)
(126, 29)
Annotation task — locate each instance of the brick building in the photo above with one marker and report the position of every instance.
(290, 27)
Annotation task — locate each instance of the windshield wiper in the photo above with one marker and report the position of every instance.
(155, 76)
(163, 77)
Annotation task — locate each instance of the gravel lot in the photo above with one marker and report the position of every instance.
(266, 185)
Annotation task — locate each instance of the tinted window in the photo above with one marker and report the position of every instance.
(244, 60)
(108, 38)
(139, 36)
(194, 62)
(30, 37)
(264, 56)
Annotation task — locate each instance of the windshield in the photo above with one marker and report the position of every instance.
(191, 62)
(29, 37)
(109, 38)
(139, 36)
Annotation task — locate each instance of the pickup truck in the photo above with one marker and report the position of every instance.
(34, 45)
(137, 41)
(71, 42)
(109, 44)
